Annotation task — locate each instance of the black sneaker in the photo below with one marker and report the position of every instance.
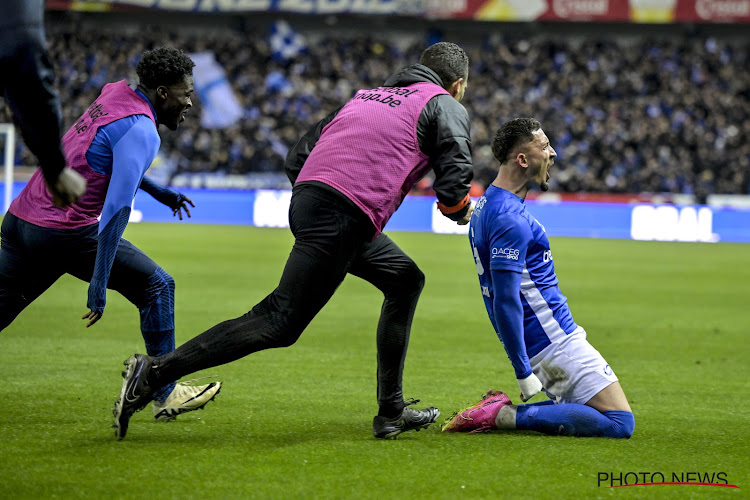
(389, 428)
(135, 393)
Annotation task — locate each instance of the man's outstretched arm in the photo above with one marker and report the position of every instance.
(169, 197)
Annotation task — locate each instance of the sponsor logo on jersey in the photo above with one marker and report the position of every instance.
(505, 253)
(478, 207)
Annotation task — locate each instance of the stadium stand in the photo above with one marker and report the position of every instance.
(627, 114)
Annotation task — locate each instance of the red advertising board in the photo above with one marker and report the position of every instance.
(530, 10)
(586, 10)
(712, 11)
(636, 11)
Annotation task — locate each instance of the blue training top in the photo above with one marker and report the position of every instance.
(125, 149)
(517, 277)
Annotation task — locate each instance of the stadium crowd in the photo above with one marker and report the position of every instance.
(666, 115)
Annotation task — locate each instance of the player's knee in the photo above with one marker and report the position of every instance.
(281, 335)
(623, 424)
(412, 280)
(419, 278)
(276, 328)
(160, 285)
(167, 280)
(157, 311)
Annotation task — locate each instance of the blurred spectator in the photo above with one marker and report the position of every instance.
(669, 115)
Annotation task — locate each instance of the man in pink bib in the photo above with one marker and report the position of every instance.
(350, 172)
(111, 146)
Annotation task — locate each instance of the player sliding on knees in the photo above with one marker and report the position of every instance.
(548, 351)
(111, 146)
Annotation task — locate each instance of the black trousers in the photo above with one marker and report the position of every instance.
(32, 258)
(333, 237)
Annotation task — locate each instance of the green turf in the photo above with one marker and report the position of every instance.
(672, 319)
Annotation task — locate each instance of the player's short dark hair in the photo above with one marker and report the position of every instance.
(511, 134)
(163, 66)
(448, 60)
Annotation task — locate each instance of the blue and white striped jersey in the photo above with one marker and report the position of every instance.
(505, 237)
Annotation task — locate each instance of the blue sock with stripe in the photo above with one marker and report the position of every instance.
(157, 321)
(574, 420)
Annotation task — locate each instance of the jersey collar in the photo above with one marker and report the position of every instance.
(153, 111)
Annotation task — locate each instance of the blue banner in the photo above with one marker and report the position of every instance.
(325, 7)
(268, 208)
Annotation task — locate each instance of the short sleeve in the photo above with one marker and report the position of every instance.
(509, 242)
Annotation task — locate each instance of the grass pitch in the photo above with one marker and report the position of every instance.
(672, 319)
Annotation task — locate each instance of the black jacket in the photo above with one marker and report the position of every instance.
(443, 131)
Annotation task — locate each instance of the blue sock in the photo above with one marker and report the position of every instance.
(158, 344)
(157, 321)
(574, 420)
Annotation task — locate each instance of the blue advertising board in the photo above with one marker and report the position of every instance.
(639, 221)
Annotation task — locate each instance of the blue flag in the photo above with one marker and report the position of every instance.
(220, 107)
(285, 42)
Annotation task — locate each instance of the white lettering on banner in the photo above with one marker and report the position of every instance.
(144, 3)
(444, 7)
(712, 9)
(573, 8)
(334, 6)
(442, 224)
(670, 223)
(271, 208)
(306, 6)
(231, 5)
(175, 4)
(135, 215)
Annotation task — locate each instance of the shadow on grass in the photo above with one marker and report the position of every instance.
(200, 434)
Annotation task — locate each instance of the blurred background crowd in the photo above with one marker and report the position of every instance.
(625, 114)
